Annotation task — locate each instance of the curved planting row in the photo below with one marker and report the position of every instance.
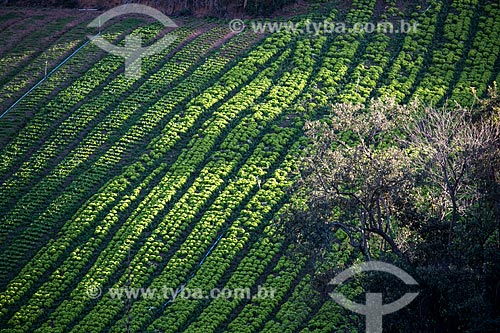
(170, 277)
(205, 180)
(404, 71)
(74, 67)
(248, 230)
(111, 108)
(86, 251)
(23, 39)
(114, 154)
(236, 76)
(293, 314)
(335, 63)
(457, 30)
(204, 231)
(255, 314)
(42, 191)
(365, 76)
(8, 18)
(222, 165)
(29, 56)
(481, 59)
(57, 108)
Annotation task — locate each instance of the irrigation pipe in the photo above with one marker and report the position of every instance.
(180, 289)
(46, 76)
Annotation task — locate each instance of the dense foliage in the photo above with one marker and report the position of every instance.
(179, 179)
(420, 184)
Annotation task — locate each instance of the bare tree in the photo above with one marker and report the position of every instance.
(388, 173)
(423, 182)
(450, 149)
(355, 177)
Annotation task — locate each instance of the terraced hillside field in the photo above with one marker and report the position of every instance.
(174, 180)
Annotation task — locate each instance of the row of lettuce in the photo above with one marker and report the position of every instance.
(194, 210)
